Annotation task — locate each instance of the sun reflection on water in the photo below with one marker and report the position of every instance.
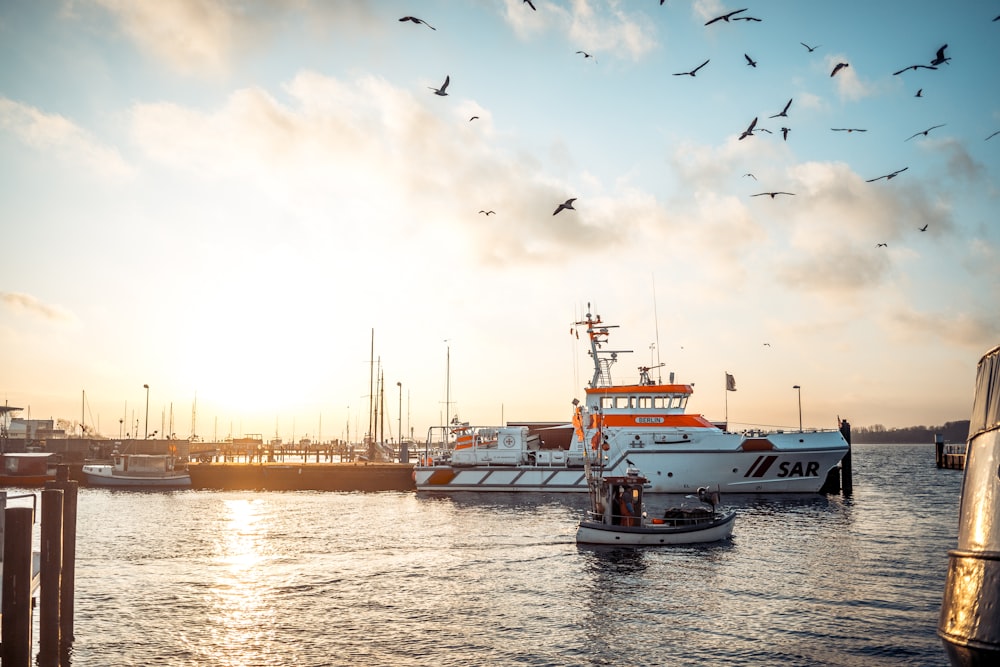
(241, 616)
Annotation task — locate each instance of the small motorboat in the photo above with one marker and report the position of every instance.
(618, 515)
(139, 471)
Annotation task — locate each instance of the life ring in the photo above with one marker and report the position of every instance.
(413, 475)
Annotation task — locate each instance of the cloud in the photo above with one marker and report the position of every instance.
(390, 163)
(976, 331)
(55, 135)
(201, 37)
(595, 29)
(25, 302)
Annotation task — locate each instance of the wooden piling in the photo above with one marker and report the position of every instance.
(846, 466)
(51, 575)
(70, 489)
(15, 629)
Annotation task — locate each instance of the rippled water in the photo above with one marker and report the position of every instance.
(239, 578)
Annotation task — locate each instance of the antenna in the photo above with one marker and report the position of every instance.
(656, 325)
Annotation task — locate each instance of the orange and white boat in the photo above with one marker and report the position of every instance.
(641, 424)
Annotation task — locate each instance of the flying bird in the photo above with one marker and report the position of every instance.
(746, 18)
(995, 133)
(531, 4)
(587, 55)
(767, 344)
(414, 19)
(784, 133)
(750, 175)
(940, 59)
(847, 129)
(725, 17)
(441, 91)
(920, 93)
(692, 72)
(783, 112)
(914, 67)
(838, 67)
(772, 195)
(750, 61)
(473, 118)
(749, 131)
(888, 176)
(923, 229)
(924, 132)
(488, 213)
(811, 48)
(882, 245)
(566, 204)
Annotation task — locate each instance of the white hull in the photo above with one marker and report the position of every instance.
(594, 532)
(677, 471)
(105, 475)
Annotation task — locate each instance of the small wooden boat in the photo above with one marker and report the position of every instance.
(618, 516)
(139, 471)
(27, 468)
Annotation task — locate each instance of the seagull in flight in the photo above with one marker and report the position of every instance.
(888, 177)
(749, 131)
(566, 204)
(531, 4)
(998, 131)
(772, 195)
(587, 55)
(882, 245)
(414, 19)
(783, 112)
(923, 229)
(784, 133)
(725, 17)
(488, 213)
(924, 132)
(750, 175)
(692, 72)
(473, 118)
(767, 345)
(838, 67)
(920, 93)
(750, 61)
(914, 67)
(847, 129)
(811, 48)
(441, 91)
(940, 58)
(746, 18)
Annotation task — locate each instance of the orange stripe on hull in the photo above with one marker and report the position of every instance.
(657, 421)
(643, 389)
(441, 477)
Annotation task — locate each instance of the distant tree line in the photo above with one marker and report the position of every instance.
(954, 432)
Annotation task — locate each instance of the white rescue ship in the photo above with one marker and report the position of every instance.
(642, 424)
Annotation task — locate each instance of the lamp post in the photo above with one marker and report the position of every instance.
(799, 389)
(145, 426)
(400, 385)
(121, 423)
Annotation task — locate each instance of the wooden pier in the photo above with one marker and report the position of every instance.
(51, 571)
(357, 476)
(950, 457)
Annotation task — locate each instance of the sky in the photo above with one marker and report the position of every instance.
(249, 205)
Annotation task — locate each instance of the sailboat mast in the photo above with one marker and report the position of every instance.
(371, 387)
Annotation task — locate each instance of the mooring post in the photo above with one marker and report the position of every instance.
(51, 577)
(846, 468)
(939, 450)
(16, 626)
(70, 489)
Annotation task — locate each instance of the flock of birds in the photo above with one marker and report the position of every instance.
(940, 58)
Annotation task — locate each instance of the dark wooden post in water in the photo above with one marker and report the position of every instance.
(846, 465)
(841, 477)
(939, 450)
(70, 489)
(51, 576)
(16, 626)
(969, 624)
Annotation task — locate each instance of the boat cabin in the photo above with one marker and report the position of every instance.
(143, 464)
(26, 463)
(617, 500)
